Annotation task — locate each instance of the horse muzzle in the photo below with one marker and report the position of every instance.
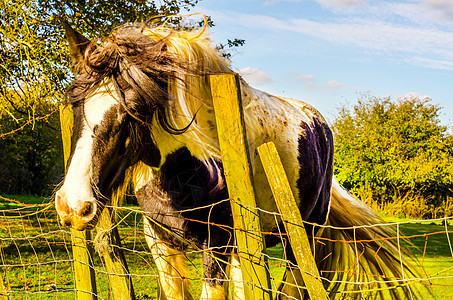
(76, 213)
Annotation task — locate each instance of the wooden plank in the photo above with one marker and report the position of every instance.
(85, 280)
(3, 292)
(85, 277)
(115, 262)
(292, 219)
(232, 139)
(67, 124)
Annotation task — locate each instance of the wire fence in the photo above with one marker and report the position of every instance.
(36, 259)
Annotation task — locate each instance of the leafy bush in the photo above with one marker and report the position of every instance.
(387, 150)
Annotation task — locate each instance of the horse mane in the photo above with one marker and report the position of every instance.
(155, 65)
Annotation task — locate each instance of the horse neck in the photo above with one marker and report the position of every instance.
(192, 105)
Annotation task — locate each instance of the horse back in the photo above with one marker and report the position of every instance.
(305, 145)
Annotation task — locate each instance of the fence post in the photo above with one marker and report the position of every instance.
(85, 280)
(226, 96)
(115, 262)
(3, 292)
(292, 219)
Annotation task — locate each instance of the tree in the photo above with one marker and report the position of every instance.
(388, 149)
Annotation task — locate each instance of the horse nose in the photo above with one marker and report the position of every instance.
(78, 214)
(83, 216)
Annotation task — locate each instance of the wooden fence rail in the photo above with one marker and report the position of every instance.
(226, 96)
(292, 220)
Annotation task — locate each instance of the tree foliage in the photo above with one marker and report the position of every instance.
(34, 71)
(389, 148)
(30, 157)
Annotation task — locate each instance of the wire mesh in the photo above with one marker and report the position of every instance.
(36, 261)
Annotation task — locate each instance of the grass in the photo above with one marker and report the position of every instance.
(36, 259)
(433, 250)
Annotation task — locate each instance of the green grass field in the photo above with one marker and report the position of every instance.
(36, 259)
(433, 250)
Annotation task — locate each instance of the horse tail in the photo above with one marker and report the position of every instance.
(359, 255)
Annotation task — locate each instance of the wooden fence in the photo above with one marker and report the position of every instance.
(250, 241)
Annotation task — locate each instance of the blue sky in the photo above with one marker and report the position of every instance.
(329, 52)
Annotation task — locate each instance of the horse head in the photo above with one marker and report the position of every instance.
(119, 87)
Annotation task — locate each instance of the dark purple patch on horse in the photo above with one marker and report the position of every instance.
(316, 171)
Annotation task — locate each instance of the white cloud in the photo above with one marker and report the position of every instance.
(311, 83)
(340, 3)
(375, 35)
(334, 85)
(306, 78)
(418, 12)
(327, 3)
(443, 8)
(432, 63)
(255, 76)
(438, 4)
(412, 95)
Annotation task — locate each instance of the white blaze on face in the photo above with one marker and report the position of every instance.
(76, 189)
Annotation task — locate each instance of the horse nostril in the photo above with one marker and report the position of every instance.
(67, 222)
(87, 209)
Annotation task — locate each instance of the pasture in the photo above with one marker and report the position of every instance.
(36, 259)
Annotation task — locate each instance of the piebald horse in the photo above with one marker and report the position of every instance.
(143, 116)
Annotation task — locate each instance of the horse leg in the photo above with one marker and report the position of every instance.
(214, 272)
(292, 285)
(171, 265)
(236, 277)
(212, 291)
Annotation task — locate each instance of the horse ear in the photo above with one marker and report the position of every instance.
(77, 44)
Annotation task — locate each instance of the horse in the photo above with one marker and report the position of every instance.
(144, 120)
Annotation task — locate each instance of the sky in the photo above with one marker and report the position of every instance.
(330, 53)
